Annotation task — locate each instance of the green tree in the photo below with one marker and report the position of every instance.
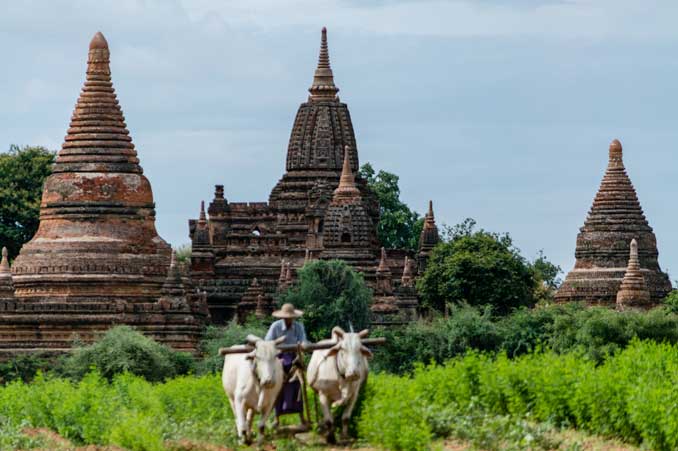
(546, 272)
(399, 227)
(546, 275)
(330, 293)
(22, 172)
(477, 268)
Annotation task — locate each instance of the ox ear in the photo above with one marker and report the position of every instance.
(366, 352)
(280, 340)
(333, 350)
(364, 333)
(338, 332)
(251, 355)
(252, 339)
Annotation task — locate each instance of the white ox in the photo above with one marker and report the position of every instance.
(252, 383)
(337, 374)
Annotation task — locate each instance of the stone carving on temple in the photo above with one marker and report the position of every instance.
(601, 253)
(96, 259)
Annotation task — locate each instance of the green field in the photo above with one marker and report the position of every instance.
(486, 402)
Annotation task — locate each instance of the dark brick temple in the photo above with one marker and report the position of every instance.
(319, 209)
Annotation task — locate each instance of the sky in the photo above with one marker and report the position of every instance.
(497, 110)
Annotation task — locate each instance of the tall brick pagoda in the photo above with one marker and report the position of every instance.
(320, 209)
(96, 259)
(615, 219)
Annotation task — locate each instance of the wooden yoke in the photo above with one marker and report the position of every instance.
(243, 349)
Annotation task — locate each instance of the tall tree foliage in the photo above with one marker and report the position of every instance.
(399, 227)
(477, 268)
(330, 293)
(22, 173)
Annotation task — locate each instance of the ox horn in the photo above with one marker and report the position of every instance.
(280, 340)
(339, 332)
(364, 333)
(252, 339)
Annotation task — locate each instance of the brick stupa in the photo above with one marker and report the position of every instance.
(602, 250)
(96, 259)
(633, 292)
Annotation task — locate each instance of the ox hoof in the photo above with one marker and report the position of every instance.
(331, 439)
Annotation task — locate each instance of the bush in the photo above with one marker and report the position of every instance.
(436, 340)
(24, 367)
(124, 350)
(331, 293)
(595, 332)
(223, 337)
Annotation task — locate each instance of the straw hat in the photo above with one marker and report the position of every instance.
(287, 311)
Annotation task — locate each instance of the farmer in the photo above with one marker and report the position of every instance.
(289, 400)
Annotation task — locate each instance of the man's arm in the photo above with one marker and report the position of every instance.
(271, 334)
(301, 334)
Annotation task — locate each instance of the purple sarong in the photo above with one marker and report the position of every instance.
(289, 400)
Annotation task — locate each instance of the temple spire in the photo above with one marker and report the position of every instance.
(203, 218)
(97, 139)
(6, 285)
(633, 291)
(347, 188)
(406, 279)
(428, 239)
(383, 265)
(4, 263)
(616, 154)
(323, 87)
(173, 285)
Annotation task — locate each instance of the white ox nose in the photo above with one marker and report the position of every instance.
(267, 383)
(352, 375)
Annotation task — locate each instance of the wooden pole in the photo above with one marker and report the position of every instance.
(241, 349)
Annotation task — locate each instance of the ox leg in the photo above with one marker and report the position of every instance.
(241, 421)
(250, 415)
(327, 416)
(265, 412)
(346, 416)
